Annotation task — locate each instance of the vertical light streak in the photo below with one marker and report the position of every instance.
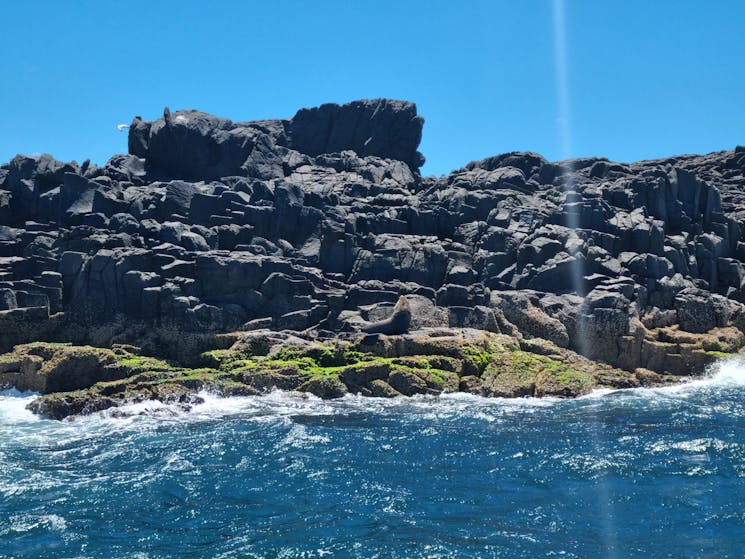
(571, 221)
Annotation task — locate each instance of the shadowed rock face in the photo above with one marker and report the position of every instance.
(318, 223)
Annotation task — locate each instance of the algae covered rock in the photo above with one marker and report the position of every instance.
(381, 389)
(563, 382)
(267, 379)
(511, 375)
(359, 376)
(324, 387)
(46, 368)
(78, 380)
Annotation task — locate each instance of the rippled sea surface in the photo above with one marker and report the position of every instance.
(637, 473)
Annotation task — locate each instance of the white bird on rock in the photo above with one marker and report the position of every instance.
(122, 127)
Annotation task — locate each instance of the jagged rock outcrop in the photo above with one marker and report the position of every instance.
(384, 127)
(198, 146)
(317, 224)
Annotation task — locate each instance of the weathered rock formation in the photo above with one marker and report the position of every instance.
(317, 224)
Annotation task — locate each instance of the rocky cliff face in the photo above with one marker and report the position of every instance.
(318, 223)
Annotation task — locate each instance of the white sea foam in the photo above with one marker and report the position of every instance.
(274, 407)
(13, 407)
(598, 393)
(25, 523)
(726, 373)
(177, 463)
(694, 446)
(282, 406)
(299, 438)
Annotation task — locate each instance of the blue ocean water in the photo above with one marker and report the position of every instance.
(637, 473)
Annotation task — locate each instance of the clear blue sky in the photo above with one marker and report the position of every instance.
(644, 78)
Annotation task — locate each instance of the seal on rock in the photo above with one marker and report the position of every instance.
(397, 323)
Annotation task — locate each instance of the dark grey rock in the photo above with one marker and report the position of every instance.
(382, 127)
(700, 311)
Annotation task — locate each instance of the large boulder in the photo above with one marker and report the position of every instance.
(700, 311)
(383, 127)
(192, 145)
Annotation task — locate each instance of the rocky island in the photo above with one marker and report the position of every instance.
(239, 257)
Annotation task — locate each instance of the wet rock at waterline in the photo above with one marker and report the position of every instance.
(78, 380)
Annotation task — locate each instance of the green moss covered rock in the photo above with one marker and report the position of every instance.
(83, 379)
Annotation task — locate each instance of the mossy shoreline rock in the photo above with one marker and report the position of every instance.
(78, 380)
